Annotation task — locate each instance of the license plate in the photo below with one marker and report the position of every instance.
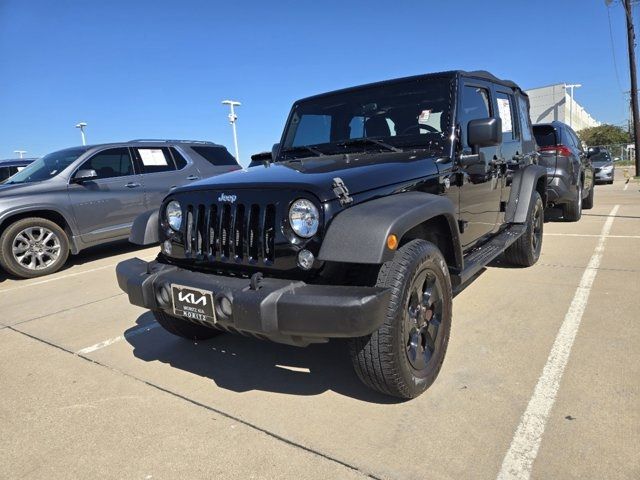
(193, 303)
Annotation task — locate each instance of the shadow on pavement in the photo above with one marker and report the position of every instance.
(242, 364)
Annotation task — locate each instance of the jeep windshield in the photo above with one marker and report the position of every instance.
(386, 117)
(47, 167)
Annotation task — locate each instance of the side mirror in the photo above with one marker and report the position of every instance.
(484, 132)
(82, 176)
(275, 150)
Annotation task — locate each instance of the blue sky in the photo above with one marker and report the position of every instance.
(159, 69)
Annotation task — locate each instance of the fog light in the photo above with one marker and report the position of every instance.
(167, 248)
(225, 306)
(305, 259)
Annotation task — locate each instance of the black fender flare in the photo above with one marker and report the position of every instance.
(523, 185)
(146, 229)
(359, 233)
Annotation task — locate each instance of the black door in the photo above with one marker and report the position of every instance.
(480, 186)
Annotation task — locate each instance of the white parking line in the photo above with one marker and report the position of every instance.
(111, 341)
(518, 461)
(590, 235)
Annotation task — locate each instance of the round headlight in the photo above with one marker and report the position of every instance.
(304, 218)
(173, 215)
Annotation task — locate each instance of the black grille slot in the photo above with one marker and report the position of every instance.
(212, 222)
(225, 232)
(238, 233)
(269, 233)
(188, 244)
(253, 239)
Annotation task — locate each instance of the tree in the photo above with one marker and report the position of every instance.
(604, 135)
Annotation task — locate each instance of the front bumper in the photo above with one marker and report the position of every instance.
(604, 175)
(285, 311)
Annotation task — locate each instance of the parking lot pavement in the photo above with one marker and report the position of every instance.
(541, 380)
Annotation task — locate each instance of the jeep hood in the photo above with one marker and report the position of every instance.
(360, 173)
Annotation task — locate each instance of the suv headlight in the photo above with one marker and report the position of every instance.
(607, 168)
(173, 214)
(304, 218)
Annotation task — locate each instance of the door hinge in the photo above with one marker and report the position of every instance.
(462, 225)
(342, 192)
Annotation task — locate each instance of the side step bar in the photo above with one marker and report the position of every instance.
(481, 256)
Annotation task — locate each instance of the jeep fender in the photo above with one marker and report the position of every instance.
(359, 233)
(145, 229)
(523, 184)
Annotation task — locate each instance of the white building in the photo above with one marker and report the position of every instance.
(554, 103)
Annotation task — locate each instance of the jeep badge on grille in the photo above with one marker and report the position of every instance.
(227, 198)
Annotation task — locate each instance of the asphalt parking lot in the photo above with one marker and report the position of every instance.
(542, 378)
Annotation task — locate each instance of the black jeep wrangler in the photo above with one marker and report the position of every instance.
(379, 202)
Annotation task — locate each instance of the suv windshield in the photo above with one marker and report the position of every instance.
(414, 112)
(48, 166)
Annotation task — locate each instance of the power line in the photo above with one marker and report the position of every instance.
(613, 51)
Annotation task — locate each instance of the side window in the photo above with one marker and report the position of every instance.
(178, 159)
(115, 162)
(313, 129)
(475, 105)
(4, 173)
(507, 115)
(356, 127)
(525, 121)
(216, 155)
(155, 160)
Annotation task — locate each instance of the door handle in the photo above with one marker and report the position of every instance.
(193, 177)
(132, 185)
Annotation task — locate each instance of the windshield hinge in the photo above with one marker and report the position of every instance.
(341, 190)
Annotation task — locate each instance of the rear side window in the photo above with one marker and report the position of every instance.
(114, 162)
(525, 122)
(154, 160)
(545, 136)
(475, 105)
(216, 155)
(506, 111)
(178, 159)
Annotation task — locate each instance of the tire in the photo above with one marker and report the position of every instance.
(572, 211)
(404, 356)
(587, 203)
(184, 328)
(33, 247)
(526, 250)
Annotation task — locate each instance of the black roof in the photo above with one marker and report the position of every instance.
(481, 74)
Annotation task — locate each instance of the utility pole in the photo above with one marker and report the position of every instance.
(232, 119)
(81, 126)
(631, 39)
(570, 88)
(20, 152)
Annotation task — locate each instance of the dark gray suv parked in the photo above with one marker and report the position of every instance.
(84, 196)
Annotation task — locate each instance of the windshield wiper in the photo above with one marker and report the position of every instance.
(369, 141)
(303, 148)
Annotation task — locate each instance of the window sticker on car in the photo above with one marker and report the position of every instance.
(423, 119)
(504, 110)
(153, 157)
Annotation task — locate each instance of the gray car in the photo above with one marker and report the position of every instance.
(79, 197)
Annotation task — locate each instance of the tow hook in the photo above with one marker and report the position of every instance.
(256, 281)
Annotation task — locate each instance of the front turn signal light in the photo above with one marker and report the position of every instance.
(392, 242)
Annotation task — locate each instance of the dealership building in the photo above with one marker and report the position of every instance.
(553, 102)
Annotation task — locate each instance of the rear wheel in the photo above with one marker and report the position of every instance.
(403, 357)
(572, 211)
(526, 250)
(183, 328)
(588, 202)
(33, 247)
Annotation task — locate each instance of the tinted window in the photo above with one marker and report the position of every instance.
(312, 129)
(475, 105)
(48, 166)
(155, 160)
(4, 173)
(525, 122)
(545, 136)
(115, 162)
(216, 155)
(507, 115)
(178, 159)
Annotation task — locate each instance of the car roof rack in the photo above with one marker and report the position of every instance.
(158, 140)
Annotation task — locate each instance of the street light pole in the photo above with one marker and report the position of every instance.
(20, 152)
(81, 126)
(232, 119)
(631, 40)
(570, 88)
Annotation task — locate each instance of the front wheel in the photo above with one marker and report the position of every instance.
(33, 247)
(403, 357)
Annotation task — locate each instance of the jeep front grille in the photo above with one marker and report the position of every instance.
(230, 232)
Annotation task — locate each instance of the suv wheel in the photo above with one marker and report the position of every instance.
(526, 250)
(572, 211)
(184, 328)
(403, 357)
(587, 204)
(33, 247)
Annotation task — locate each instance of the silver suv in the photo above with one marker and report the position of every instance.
(79, 197)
